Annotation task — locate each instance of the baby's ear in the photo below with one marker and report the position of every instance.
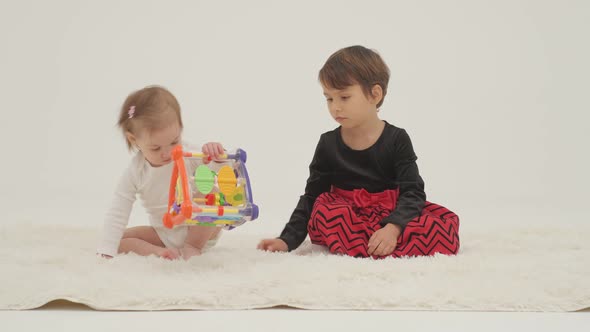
(130, 137)
(376, 93)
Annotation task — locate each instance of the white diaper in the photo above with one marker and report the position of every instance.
(175, 237)
(172, 238)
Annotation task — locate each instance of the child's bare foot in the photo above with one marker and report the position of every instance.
(188, 252)
(168, 253)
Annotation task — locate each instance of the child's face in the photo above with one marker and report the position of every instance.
(350, 106)
(156, 145)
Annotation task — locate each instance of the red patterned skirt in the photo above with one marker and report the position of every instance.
(345, 220)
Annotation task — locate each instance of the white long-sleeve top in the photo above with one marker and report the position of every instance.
(151, 185)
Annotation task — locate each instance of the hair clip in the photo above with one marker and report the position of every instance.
(131, 111)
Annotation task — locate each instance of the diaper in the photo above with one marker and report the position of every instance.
(175, 237)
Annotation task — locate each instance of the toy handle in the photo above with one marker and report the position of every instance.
(239, 155)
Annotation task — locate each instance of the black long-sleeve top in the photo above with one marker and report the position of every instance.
(390, 163)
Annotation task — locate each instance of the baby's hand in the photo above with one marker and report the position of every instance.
(272, 245)
(213, 150)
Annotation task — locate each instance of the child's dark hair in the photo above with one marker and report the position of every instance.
(153, 107)
(355, 65)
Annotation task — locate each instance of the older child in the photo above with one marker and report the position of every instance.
(364, 195)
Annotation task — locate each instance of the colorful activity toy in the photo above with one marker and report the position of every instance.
(220, 198)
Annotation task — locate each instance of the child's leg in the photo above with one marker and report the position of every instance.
(335, 224)
(144, 241)
(197, 238)
(436, 230)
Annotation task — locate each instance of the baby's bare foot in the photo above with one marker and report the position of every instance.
(188, 252)
(170, 254)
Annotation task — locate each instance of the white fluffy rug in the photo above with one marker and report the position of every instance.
(534, 269)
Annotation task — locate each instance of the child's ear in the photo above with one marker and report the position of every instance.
(376, 94)
(131, 138)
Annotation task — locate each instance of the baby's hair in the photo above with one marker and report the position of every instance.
(355, 65)
(150, 108)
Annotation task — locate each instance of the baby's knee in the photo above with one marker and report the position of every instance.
(139, 232)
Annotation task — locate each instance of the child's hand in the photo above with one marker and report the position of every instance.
(213, 150)
(383, 241)
(272, 245)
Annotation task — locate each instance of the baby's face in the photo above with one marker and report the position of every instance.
(156, 145)
(349, 106)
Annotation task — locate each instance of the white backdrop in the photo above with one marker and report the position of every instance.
(493, 93)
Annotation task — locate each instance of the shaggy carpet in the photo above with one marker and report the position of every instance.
(528, 269)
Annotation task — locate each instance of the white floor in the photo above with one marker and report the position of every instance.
(62, 316)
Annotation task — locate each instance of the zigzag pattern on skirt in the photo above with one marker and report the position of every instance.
(345, 228)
